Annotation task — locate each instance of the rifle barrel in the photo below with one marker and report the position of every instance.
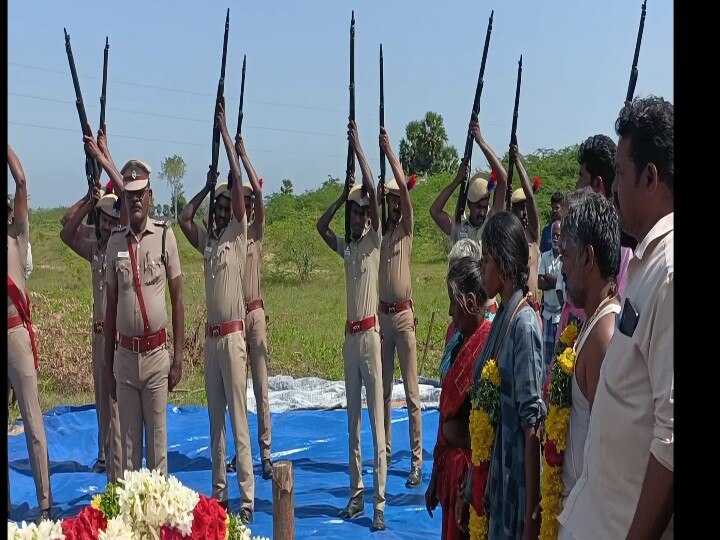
(350, 166)
(636, 56)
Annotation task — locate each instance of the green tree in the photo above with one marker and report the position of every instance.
(287, 187)
(173, 170)
(424, 149)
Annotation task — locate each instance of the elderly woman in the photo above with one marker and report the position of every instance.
(452, 449)
(512, 491)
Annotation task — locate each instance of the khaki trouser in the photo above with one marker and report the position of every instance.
(398, 332)
(256, 335)
(22, 376)
(226, 385)
(361, 353)
(142, 390)
(109, 442)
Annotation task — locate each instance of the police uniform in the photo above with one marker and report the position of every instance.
(477, 189)
(137, 266)
(225, 356)
(361, 352)
(90, 249)
(22, 362)
(397, 327)
(256, 329)
(518, 196)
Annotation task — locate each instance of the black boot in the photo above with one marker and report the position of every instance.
(355, 507)
(414, 479)
(378, 523)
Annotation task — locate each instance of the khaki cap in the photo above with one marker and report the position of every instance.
(355, 195)
(107, 205)
(518, 196)
(136, 175)
(478, 187)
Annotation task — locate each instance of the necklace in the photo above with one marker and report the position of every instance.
(588, 322)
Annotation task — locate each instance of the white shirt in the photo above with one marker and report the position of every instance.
(632, 414)
(551, 265)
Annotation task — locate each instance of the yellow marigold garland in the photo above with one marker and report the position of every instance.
(483, 423)
(556, 428)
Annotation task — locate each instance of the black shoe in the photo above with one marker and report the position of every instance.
(246, 516)
(231, 465)
(44, 515)
(414, 479)
(99, 466)
(378, 523)
(355, 507)
(267, 472)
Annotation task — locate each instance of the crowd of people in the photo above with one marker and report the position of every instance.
(591, 295)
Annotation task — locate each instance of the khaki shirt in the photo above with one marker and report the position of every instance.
(18, 238)
(395, 252)
(632, 415)
(90, 250)
(152, 273)
(224, 263)
(251, 281)
(466, 230)
(533, 264)
(362, 261)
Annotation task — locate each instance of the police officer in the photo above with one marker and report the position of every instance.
(22, 359)
(223, 250)
(93, 249)
(397, 320)
(361, 351)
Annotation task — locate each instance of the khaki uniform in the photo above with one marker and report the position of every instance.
(142, 378)
(22, 376)
(398, 332)
(256, 333)
(466, 230)
(225, 356)
(533, 263)
(361, 354)
(109, 442)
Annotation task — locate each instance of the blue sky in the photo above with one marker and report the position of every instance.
(165, 63)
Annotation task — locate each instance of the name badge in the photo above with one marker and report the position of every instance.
(208, 249)
(347, 251)
(123, 255)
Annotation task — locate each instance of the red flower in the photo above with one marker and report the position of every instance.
(480, 477)
(552, 456)
(537, 183)
(208, 520)
(493, 176)
(260, 182)
(109, 186)
(411, 183)
(167, 533)
(85, 526)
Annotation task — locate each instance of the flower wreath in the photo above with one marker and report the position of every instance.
(556, 428)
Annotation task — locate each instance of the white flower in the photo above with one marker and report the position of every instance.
(117, 529)
(47, 530)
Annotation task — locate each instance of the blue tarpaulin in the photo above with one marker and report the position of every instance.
(315, 441)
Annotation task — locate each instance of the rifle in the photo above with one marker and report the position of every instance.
(216, 129)
(350, 168)
(240, 113)
(92, 167)
(104, 85)
(634, 70)
(513, 136)
(469, 141)
(381, 184)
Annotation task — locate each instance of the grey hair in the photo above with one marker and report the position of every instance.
(592, 220)
(465, 247)
(464, 280)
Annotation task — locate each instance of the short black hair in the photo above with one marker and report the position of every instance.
(557, 198)
(649, 124)
(592, 220)
(598, 155)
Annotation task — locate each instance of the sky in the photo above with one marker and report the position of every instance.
(164, 67)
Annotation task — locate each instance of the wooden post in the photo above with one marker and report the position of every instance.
(283, 501)
(427, 342)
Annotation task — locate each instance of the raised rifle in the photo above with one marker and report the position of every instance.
(103, 95)
(634, 70)
(469, 141)
(92, 167)
(350, 168)
(240, 113)
(381, 184)
(513, 136)
(216, 129)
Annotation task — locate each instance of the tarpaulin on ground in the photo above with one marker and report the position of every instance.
(315, 441)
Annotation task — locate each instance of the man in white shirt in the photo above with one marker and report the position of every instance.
(549, 270)
(626, 487)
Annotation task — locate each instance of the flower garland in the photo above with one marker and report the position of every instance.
(484, 415)
(142, 505)
(556, 428)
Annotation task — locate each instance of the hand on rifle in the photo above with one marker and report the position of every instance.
(514, 153)
(347, 187)
(91, 147)
(353, 135)
(102, 140)
(95, 194)
(211, 179)
(384, 140)
(463, 171)
(240, 146)
(220, 118)
(475, 129)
